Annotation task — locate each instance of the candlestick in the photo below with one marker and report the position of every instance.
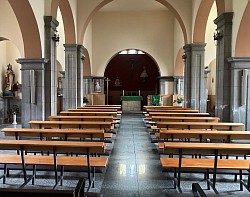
(139, 93)
(123, 93)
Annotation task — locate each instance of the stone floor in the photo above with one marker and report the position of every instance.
(134, 168)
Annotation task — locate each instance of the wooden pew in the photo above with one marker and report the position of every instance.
(94, 110)
(100, 107)
(214, 163)
(17, 192)
(181, 110)
(72, 113)
(227, 136)
(184, 119)
(56, 148)
(201, 125)
(82, 118)
(70, 124)
(19, 133)
(150, 114)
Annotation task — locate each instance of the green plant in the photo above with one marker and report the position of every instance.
(179, 99)
(85, 100)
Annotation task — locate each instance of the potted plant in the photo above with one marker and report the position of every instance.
(85, 101)
(179, 100)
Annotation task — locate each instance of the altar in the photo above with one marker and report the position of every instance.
(131, 103)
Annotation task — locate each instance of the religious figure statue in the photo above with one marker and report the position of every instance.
(117, 82)
(9, 78)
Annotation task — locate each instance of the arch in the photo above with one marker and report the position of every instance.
(137, 50)
(179, 65)
(220, 6)
(98, 7)
(201, 21)
(29, 28)
(243, 40)
(68, 19)
(178, 17)
(163, 2)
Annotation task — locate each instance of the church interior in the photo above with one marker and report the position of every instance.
(145, 85)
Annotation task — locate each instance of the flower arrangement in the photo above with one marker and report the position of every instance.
(179, 99)
(85, 100)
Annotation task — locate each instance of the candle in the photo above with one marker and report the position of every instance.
(139, 93)
(123, 93)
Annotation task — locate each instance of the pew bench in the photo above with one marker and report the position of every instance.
(17, 192)
(81, 113)
(59, 158)
(211, 164)
(201, 125)
(71, 124)
(63, 134)
(201, 135)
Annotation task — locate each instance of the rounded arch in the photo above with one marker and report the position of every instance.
(98, 7)
(243, 40)
(163, 2)
(68, 19)
(178, 17)
(29, 28)
(201, 21)
(220, 6)
(179, 65)
(145, 53)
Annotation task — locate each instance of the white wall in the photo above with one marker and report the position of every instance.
(9, 27)
(151, 32)
(9, 54)
(88, 42)
(60, 48)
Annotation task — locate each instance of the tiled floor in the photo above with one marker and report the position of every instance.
(134, 168)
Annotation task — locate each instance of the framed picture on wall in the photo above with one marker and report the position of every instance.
(97, 86)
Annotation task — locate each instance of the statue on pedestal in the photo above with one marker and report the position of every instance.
(9, 81)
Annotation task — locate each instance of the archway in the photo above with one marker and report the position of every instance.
(131, 73)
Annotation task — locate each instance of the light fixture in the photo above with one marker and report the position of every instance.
(217, 36)
(184, 57)
(56, 38)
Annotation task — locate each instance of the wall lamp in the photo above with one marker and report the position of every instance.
(56, 38)
(217, 35)
(184, 57)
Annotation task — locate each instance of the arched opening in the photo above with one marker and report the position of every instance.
(131, 73)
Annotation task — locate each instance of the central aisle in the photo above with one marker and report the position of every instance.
(134, 168)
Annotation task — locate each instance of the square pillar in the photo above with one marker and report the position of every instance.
(240, 90)
(51, 67)
(33, 89)
(194, 77)
(223, 67)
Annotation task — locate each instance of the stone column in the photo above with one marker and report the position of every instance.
(194, 82)
(71, 75)
(223, 67)
(33, 89)
(87, 85)
(51, 67)
(80, 59)
(240, 90)
(166, 85)
(178, 85)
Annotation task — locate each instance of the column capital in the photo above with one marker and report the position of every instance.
(50, 21)
(32, 64)
(224, 18)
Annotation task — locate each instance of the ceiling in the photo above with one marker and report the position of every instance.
(133, 5)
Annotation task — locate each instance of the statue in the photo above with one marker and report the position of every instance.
(117, 82)
(9, 81)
